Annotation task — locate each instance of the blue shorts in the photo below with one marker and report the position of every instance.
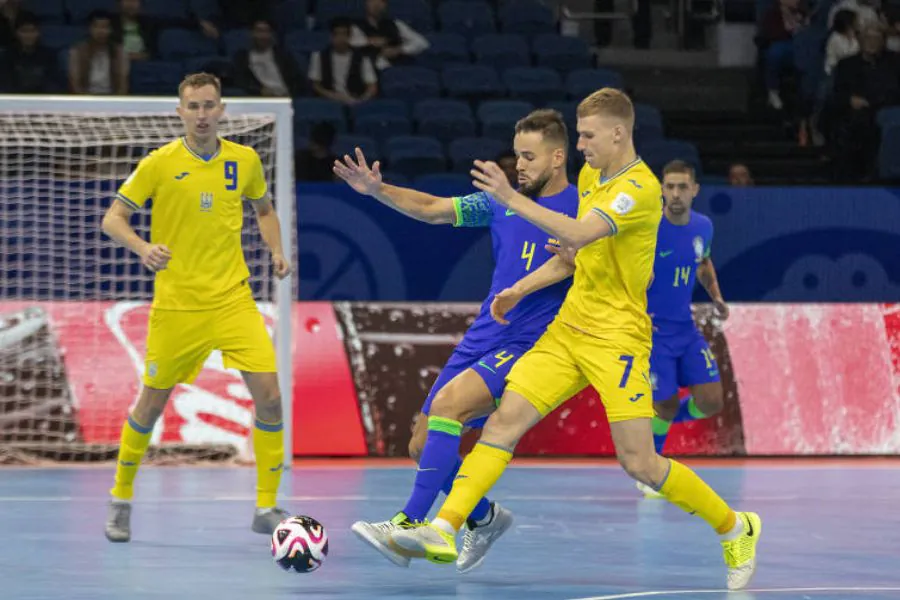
(680, 358)
(491, 366)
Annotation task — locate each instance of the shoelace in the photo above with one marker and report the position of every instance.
(120, 518)
(468, 540)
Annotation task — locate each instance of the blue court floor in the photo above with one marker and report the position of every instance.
(831, 531)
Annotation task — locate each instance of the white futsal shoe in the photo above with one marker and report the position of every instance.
(478, 539)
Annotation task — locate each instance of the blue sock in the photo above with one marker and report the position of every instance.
(688, 411)
(438, 464)
(660, 432)
(481, 509)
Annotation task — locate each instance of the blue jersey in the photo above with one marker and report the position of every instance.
(679, 251)
(518, 251)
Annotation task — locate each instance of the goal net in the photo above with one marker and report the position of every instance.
(74, 305)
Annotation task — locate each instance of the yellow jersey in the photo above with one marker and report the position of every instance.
(608, 297)
(198, 213)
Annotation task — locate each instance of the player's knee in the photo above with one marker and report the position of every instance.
(667, 409)
(449, 405)
(710, 401)
(150, 405)
(641, 466)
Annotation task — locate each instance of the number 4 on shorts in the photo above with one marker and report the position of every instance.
(629, 361)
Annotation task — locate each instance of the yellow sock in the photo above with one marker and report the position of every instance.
(132, 447)
(687, 491)
(268, 445)
(479, 472)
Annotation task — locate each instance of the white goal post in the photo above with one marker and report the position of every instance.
(61, 159)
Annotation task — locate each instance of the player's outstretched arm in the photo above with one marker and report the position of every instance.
(706, 275)
(553, 271)
(117, 225)
(573, 233)
(418, 205)
(270, 229)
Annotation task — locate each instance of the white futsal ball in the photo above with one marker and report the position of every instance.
(299, 544)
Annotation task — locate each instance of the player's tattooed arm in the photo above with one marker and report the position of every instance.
(574, 233)
(706, 275)
(418, 205)
(116, 224)
(270, 229)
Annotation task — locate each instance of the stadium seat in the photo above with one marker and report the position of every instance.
(179, 44)
(526, 17)
(409, 83)
(473, 82)
(656, 153)
(535, 84)
(347, 144)
(446, 49)
(80, 9)
(308, 111)
(498, 118)
(415, 13)
(445, 184)
(411, 155)
(306, 42)
(568, 109)
(464, 151)
(889, 154)
(220, 66)
(382, 126)
(204, 9)
(466, 18)
(61, 37)
(165, 11)
(444, 119)
(888, 116)
(560, 52)
(648, 123)
(47, 11)
(330, 9)
(441, 106)
(582, 82)
(381, 106)
(291, 15)
(236, 40)
(501, 50)
(154, 77)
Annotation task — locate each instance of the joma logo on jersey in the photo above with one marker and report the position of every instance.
(206, 202)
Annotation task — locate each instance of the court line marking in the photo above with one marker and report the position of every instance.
(356, 498)
(738, 592)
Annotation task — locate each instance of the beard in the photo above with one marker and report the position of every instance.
(533, 189)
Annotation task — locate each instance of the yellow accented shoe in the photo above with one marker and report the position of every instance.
(740, 553)
(437, 545)
(648, 491)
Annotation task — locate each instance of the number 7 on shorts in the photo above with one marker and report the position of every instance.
(629, 361)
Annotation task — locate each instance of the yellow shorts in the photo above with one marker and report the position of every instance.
(564, 361)
(179, 341)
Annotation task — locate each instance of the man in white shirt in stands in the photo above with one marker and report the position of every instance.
(341, 72)
(388, 41)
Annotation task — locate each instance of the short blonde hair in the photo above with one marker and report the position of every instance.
(608, 102)
(198, 80)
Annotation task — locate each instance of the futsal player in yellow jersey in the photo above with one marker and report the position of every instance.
(601, 337)
(202, 300)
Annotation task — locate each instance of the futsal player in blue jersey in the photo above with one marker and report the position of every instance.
(681, 356)
(474, 378)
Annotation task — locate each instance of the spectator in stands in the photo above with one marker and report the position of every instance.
(315, 162)
(266, 69)
(866, 13)
(863, 84)
(234, 14)
(507, 161)
(340, 72)
(387, 41)
(98, 65)
(739, 175)
(781, 22)
(842, 40)
(30, 67)
(134, 31)
(9, 14)
(892, 30)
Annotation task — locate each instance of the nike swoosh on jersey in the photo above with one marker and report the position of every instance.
(510, 212)
(666, 253)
